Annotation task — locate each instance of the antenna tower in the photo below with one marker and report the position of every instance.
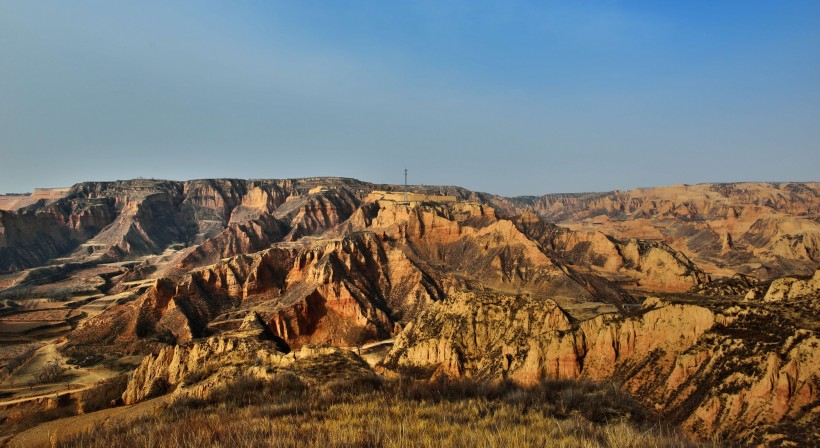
(405, 185)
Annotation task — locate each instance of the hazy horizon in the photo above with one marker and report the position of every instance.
(637, 187)
(510, 98)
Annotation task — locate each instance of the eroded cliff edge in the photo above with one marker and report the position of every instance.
(740, 369)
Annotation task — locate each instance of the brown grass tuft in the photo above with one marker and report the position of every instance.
(286, 412)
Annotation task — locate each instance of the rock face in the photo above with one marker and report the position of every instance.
(393, 261)
(536, 340)
(199, 369)
(689, 201)
(712, 369)
(476, 334)
(650, 264)
(160, 374)
(17, 201)
(30, 236)
(762, 229)
(240, 272)
(790, 288)
(111, 221)
(736, 285)
(304, 293)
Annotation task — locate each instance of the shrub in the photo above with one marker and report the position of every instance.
(50, 373)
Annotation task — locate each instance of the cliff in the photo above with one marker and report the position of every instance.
(744, 372)
(651, 265)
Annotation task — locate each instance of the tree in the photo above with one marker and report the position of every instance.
(357, 336)
(50, 373)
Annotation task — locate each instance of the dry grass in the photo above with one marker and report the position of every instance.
(287, 412)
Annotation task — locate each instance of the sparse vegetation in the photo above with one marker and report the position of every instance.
(16, 293)
(61, 294)
(287, 412)
(18, 358)
(357, 336)
(85, 360)
(50, 373)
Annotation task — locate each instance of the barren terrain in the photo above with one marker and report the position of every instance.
(696, 306)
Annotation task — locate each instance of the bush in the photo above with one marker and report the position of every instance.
(50, 373)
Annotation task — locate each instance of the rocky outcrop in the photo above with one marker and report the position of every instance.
(306, 293)
(730, 386)
(46, 195)
(536, 338)
(737, 285)
(713, 224)
(476, 335)
(682, 201)
(713, 370)
(774, 237)
(162, 373)
(111, 221)
(652, 265)
(389, 264)
(31, 236)
(203, 367)
(791, 288)
(468, 241)
(238, 238)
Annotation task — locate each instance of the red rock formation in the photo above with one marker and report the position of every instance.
(482, 288)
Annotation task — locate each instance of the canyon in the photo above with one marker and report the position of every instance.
(700, 301)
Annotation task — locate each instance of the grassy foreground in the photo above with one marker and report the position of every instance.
(287, 412)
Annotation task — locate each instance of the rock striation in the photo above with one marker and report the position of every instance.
(651, 265)
(742, 372)
(702, 301)
(201, 368)
(375, 271)
(172, 366)
(761, 229)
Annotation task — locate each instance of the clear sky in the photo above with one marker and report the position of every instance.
(509, 97)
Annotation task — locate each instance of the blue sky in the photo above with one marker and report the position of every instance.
(506, 97)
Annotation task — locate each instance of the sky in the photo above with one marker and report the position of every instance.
(508, 97)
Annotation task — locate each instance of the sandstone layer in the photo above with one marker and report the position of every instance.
(763, 229)
(210, 278)
(744, 371)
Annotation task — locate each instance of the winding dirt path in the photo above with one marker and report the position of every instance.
(45, 395)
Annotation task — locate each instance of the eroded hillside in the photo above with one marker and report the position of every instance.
(469, 285)
(762, 229)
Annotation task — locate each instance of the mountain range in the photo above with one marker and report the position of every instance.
(701, 301)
